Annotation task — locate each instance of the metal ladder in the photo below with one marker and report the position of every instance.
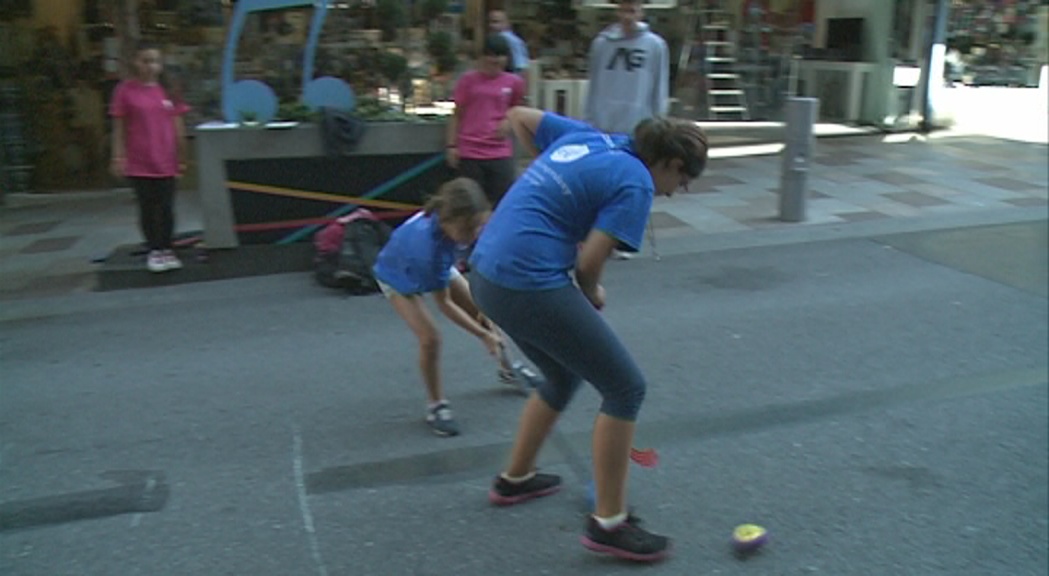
(725, 95)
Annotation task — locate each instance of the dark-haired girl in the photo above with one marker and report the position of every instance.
(536, 273)
(420, 259)
(149, 148)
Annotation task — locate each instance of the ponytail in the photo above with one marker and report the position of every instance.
(434, 204)
(456, 199)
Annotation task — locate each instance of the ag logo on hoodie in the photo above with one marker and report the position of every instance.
(632, 58)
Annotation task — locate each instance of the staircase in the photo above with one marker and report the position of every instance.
(725, 97)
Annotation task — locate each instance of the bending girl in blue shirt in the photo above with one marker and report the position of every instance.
(537, 269)
(419, 259)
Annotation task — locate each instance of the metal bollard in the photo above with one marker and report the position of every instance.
(797, 157)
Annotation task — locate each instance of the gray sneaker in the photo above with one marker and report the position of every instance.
(441, 421)
(520, 378)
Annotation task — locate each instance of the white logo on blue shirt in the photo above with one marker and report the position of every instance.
(569, 153)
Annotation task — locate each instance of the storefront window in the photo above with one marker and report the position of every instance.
(397, 58)
(738, 60)
(996, 43)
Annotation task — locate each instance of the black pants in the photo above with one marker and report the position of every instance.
(494, 176)
(156, 213)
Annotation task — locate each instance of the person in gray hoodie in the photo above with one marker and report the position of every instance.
(629, 72)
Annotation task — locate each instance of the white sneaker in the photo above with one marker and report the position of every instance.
(155, 261)
(171, 262)
(620, 255)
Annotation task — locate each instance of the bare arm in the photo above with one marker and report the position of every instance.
(449, 308)
(524, 122)
(590, 263)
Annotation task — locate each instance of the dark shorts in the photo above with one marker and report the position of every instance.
(568, 341)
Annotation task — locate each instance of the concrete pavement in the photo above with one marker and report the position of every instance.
(50, 244)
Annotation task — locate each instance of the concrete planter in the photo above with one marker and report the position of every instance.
(219, 145)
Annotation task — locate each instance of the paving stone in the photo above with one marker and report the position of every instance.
(46, 245)
(915, 199)
(32, 228)
(1009, 184)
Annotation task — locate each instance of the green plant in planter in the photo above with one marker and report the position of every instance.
(441, 49)
(392, 66)
(248, 118)
(295, 112)
(391, 16)
(372, 109)
(432, 9)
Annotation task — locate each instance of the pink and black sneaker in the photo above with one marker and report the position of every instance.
(507, 493)
(628, 541)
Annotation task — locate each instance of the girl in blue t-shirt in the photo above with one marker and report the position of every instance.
(420, 259)
(537, 269)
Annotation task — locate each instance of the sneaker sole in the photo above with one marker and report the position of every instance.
(521, 382)
(516, 387)
(623, 554)
(444, 433)
(500, 500)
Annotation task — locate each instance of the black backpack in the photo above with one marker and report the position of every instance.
(347, 264)
(340, 132)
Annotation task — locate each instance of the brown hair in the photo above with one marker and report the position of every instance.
(457, 199)
(662, 139)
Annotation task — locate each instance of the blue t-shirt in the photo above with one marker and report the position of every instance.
(418, 257)
(583, 179)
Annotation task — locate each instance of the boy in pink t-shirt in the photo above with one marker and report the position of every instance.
(479, 139)
(149, 150)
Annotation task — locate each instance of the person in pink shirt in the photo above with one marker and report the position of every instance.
(149, 148)
(480, 146)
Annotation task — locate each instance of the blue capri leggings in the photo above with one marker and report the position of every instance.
(568, 341)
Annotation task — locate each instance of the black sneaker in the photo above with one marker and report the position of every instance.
(627, 541)
(507, 493)
(441, 422)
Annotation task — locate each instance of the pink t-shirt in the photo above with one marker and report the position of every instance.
(149, 128)
(482, 103)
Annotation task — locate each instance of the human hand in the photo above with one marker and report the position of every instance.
(493, 343)
(451, 157)
(597, 297)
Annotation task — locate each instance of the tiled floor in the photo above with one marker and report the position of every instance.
(864, 178)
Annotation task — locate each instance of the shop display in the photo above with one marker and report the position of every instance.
(996, 42)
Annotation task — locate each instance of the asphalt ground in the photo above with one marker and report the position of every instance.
(877, 402)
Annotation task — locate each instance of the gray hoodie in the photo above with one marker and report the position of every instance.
(629, 78)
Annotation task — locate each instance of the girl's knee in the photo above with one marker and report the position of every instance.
(624, 402)
(430, 342)
(558, 394)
